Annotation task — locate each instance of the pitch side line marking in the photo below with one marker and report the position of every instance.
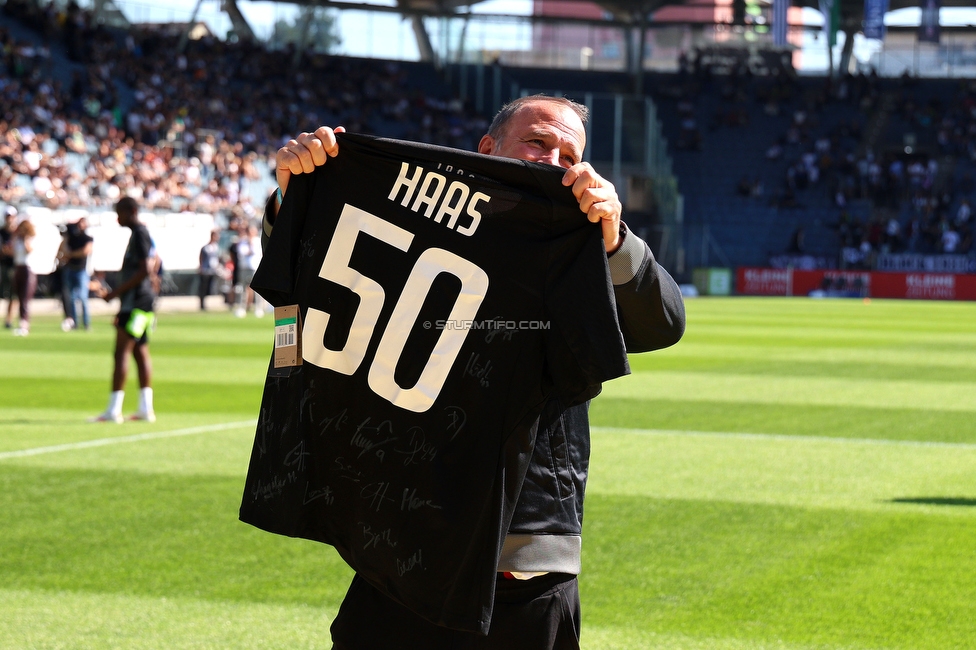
(139, 437)
(779, 436)
(155, 435)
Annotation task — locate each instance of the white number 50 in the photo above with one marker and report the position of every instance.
(431, 263)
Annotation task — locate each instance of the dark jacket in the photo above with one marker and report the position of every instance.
(545, 534)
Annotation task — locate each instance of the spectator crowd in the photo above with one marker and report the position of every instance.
(887, 194)
(89, 115)
(185, 131)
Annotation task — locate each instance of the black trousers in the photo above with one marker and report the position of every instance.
(538, 614)
(205, 288)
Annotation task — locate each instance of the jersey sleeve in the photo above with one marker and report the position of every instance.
(275, 276)
(584, 346)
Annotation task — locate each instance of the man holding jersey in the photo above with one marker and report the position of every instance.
(536, 601)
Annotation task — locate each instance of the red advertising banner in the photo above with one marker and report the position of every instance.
(752, 281)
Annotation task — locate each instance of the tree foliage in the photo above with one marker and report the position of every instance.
(316, 27)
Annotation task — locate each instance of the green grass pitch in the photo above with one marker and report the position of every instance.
(795, 474)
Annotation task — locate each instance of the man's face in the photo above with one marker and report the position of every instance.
(541, 131)
(123, 218)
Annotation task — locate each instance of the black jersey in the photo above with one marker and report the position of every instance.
(5, 237)
(445, 296)
(77, 240)
(138, 250)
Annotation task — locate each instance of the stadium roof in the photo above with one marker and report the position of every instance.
(619, 13)
(626, 10)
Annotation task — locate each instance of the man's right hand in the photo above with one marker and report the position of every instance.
(304, 153)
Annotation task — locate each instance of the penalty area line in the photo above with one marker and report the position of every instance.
(139, 437)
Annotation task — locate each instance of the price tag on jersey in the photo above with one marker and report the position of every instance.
(288, 337)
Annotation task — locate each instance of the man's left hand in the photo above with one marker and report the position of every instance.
(598, 199)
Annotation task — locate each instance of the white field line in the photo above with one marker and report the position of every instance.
(777, 436)
(139, 437)
(155, 435)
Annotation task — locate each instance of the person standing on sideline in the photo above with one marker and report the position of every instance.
(536, 601)
(209, 267)
(76, 252)
(7, 263)
(20, 247)
(135, 319)
(248, 249)
(257, 252)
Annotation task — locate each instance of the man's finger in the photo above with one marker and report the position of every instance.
(580, 177)
(304, 153)
(611, 235)
(602, 198)
(575, 171)
(602, 211)
(288, 157)
(326, 137)
(316, 150)
(588, 198)
(289, 162)
(301, 148)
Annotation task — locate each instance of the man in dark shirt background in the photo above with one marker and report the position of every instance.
(136, 317)
(74, 255)
(7, 264)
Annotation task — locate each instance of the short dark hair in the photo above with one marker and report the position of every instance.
(128, 205)
(509, 110)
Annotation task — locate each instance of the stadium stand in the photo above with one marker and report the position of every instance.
(90, 114)
(128, 121)
(760, 157)
(774, 168)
